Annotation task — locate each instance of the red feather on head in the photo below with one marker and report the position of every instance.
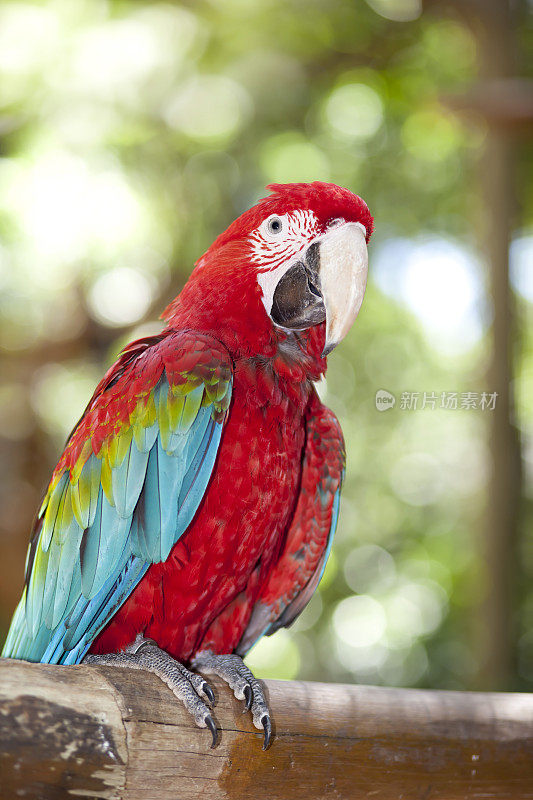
(326, 200)
(222, 290)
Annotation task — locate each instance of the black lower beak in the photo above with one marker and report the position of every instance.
(297, 303)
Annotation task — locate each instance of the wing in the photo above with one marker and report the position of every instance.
(297, 573)
(131, 478)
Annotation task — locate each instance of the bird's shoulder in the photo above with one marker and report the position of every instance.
(190, 360)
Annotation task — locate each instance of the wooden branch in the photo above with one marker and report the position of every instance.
(112, 733)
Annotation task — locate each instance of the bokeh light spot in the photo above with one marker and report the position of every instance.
(359, 621)
(369, 567)
(354, 111)
(72, 382)
(290, 157)
(275, 657)
(67, 209)
(416, 478)
(210, 108)
(440, 280)
(120, 296)
(431, 135)
(521, 266)
(397, 10)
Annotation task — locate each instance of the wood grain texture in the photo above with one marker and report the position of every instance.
(109, 733)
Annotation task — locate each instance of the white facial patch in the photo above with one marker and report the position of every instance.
(268, 282)
(276, 250)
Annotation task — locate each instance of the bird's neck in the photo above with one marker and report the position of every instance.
(226, 304)
(284, 381)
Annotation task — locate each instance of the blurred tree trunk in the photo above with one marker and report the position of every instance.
(494, 27)
(506, 106)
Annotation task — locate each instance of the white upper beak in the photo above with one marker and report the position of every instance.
(343, 276)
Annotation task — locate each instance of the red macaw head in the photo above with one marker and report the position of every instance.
(294, 262)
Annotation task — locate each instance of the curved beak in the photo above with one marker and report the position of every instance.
(327, 283)
(343, 276)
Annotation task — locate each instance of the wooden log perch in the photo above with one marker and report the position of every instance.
(98, 732)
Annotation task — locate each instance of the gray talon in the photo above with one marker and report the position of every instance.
(267, 725)
(248, 696)
(209, 721)
(209, 693)
(240, 678)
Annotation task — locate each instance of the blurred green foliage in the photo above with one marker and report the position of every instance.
(132, 133)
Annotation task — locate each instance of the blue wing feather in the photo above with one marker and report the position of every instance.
(204, 460)
(89, 572)
(128, 480)
(112, 536)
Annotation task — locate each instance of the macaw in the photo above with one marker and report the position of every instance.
(195, 503)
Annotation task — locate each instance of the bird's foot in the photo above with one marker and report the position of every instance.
(245, 685)
(186, 685)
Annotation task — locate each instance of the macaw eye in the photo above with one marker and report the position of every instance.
(274, 225)
(334, 223)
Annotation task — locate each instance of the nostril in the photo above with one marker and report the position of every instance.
(334, 223)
